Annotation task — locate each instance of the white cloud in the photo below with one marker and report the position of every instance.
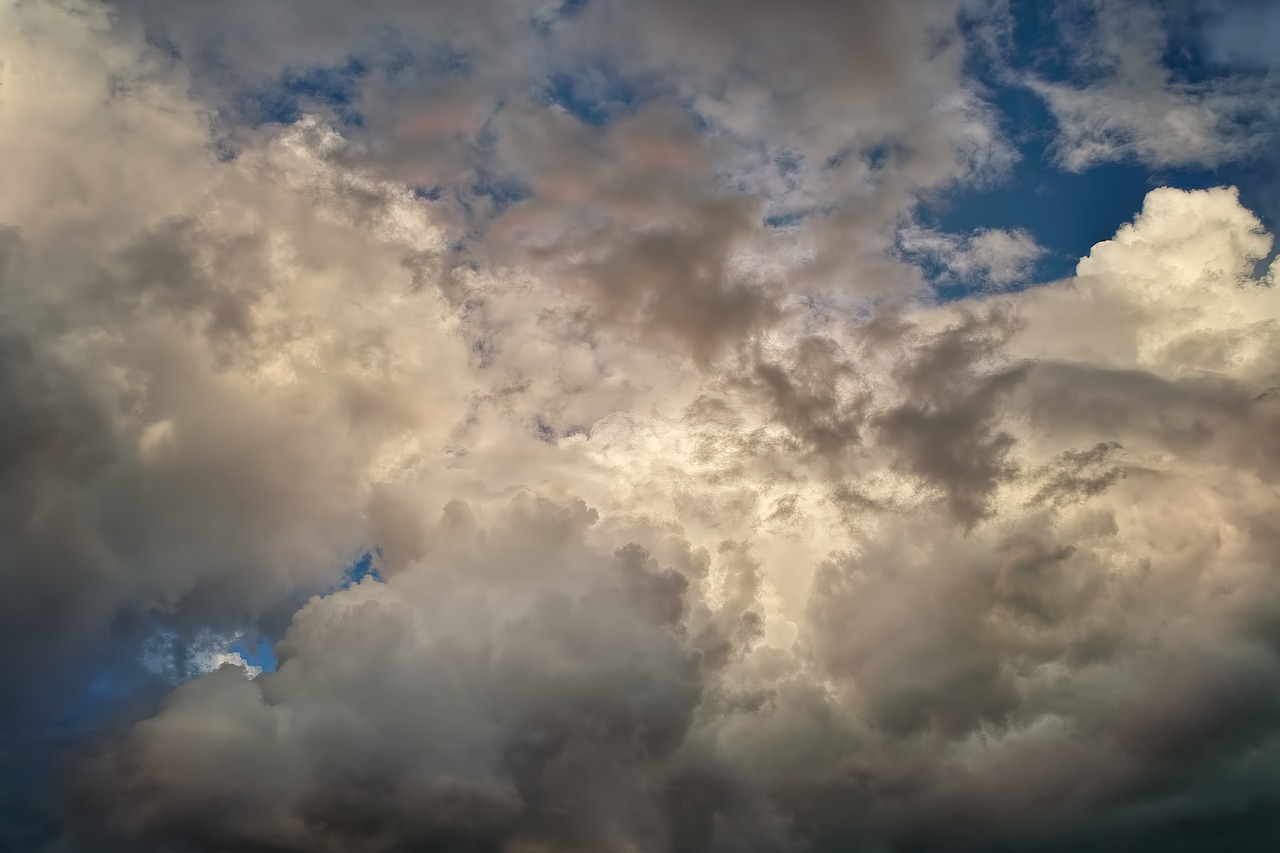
(166, 654)
(1138, 109)
(988, 258)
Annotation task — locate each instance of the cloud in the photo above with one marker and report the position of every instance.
(692, 532)
(176, 403)
(990, 257)
(515, 676)
(1055, 636)
(1139, 109)
(734, 111)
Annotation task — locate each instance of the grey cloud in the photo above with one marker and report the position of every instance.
(1079, 474)
(946, 431)
(736, 625)
(164, 463)
(632, 218)
(1194, 417)
(432, 714)
(817, 84)
(889, 577)
(910, 681)
(811, 398)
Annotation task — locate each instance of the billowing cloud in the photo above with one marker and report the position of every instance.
(687, 515)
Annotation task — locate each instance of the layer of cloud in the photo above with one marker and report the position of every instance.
(691, 533)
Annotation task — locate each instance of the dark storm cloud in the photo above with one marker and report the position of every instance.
(1080, 474)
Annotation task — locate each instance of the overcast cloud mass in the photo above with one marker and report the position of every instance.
(639, 426)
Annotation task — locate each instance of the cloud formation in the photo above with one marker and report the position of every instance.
(991, 257)
(1136, 107)
(604, 338)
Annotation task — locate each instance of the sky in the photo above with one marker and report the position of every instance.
(639, 426)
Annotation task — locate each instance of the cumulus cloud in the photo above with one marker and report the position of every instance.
(1056, 630)
(686, 528)
(177, 415)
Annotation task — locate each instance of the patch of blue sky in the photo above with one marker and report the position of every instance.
(297, 91)
(105, 683)
(258, 651)
(360, 570)
(138, 667)
(877, 157)
(786, 219)
(595, 95)
(1038, 41)
(1233, 33)
(546, 22)
(502, 192)
(492, 191)
(487, 197)
(544, 431)
(1068, 213)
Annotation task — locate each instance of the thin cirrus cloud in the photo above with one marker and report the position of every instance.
(565, 427)
(1135, 106)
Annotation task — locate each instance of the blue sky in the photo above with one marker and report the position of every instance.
(119, 680)
(1068, 212)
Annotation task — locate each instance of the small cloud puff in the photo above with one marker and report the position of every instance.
(989, 258)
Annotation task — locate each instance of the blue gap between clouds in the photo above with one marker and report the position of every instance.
(1068, 213)
(115, 679)
(108, 686)
(595, 95)
(284, 100)
(259, 650)
(545, 23)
